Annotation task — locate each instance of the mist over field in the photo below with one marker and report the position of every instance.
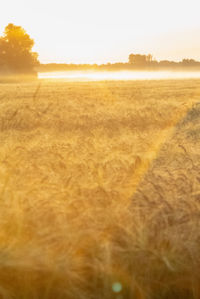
(88, 75)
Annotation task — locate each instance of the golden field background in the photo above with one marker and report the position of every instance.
(99, 186)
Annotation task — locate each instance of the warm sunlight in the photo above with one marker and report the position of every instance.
(100, 149)
(92, 31)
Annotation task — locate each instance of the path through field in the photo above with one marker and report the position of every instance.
(143, 165)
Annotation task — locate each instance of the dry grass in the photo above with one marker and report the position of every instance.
(99, 184)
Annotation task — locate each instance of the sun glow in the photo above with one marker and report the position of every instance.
(103, 31)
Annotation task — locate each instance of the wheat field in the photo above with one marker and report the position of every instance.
(99, 190)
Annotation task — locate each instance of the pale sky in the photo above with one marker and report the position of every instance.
(100, 31)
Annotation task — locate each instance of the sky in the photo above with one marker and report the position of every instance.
(101, 31)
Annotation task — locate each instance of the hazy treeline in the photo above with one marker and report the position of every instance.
(16, 56)
(135, 62)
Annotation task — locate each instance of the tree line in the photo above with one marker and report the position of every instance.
(135, 62)
(16, 56)
(147, 60)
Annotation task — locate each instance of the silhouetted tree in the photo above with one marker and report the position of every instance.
(149, 58)
(16, 50)
(131, 58)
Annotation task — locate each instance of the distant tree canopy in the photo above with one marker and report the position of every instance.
(16, 51)
(139, 59)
